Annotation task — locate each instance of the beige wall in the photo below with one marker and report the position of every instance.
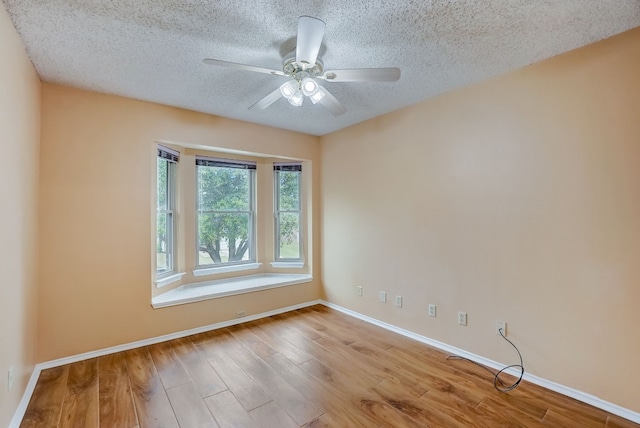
(97, 158)
(517, 199)
(19, 140)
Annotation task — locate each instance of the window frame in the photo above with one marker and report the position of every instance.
(171, 157)
(250, 167)
(277, 169)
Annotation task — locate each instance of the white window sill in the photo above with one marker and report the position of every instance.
(169, 279)
(199, 291)
(225, 269)
(287, 265)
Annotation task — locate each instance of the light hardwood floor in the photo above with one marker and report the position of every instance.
(314, 367)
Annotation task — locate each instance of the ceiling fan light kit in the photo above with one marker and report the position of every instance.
(303, 67)
(319, 95)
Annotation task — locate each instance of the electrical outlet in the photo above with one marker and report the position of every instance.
(399, 301)
(501, 325)
(359, 291)
(240, 314)
(432, 311)
(383, 297)
(462, 318)
(10, 376)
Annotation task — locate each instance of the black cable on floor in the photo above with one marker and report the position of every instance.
(497, 382)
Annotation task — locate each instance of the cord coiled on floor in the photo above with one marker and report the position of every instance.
(497, 382)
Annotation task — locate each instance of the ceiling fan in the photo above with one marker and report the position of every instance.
(303, 69)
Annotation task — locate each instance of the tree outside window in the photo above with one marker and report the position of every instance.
(226, 212)
(288, 212)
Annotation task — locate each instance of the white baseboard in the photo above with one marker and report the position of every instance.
(24, 402)
(564, 390)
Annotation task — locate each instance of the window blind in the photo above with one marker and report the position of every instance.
(225, 163)
(287, 166)
(168, 154)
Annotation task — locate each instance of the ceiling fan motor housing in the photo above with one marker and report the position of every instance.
(291, 68)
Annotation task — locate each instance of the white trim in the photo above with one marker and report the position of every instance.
(564, 390)
(26, 397)
(287, 265)
(169, 279)
(199, 291)
(225, 269)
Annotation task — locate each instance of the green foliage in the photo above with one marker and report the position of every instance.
(162, 204)
(289, 213)
(223, 212)
(164, 218)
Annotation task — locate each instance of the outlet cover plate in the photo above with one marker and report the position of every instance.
(432, 311)
(501, 325)
(10, 375)
(399, 301)
(462, 318)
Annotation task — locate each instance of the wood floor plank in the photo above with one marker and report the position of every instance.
(270, 416)
(248, 338)
(152, 404)
(81, 407)
(422, 415)
(292, 323)
(614, 421)
(365, 401)
(313, 367)
(554, 418)
(228, 411)
(171, 371)
(46, 401)
(330, 358)
(496, 412)
(375, 364)
(362, 330)
(270, 333)
(200, 371)
(115, 398)
(248, 392)
(560, 403)
(189, 408)
(325, 328)
(330, 400)
(287, 397)
(221, 338)
(440, 375)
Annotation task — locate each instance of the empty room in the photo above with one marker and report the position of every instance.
(320, 214)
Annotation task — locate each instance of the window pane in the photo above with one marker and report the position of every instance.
(289, 235)
(223, 189)
(163, 243)
(223, 238)
(289, 190)
(162, 182)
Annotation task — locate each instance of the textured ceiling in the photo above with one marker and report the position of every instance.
(153, 50)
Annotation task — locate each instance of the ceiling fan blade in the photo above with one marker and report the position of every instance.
(242, 67)
(267, 101)
(390, 74)
(310, 34)
(331, 103)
